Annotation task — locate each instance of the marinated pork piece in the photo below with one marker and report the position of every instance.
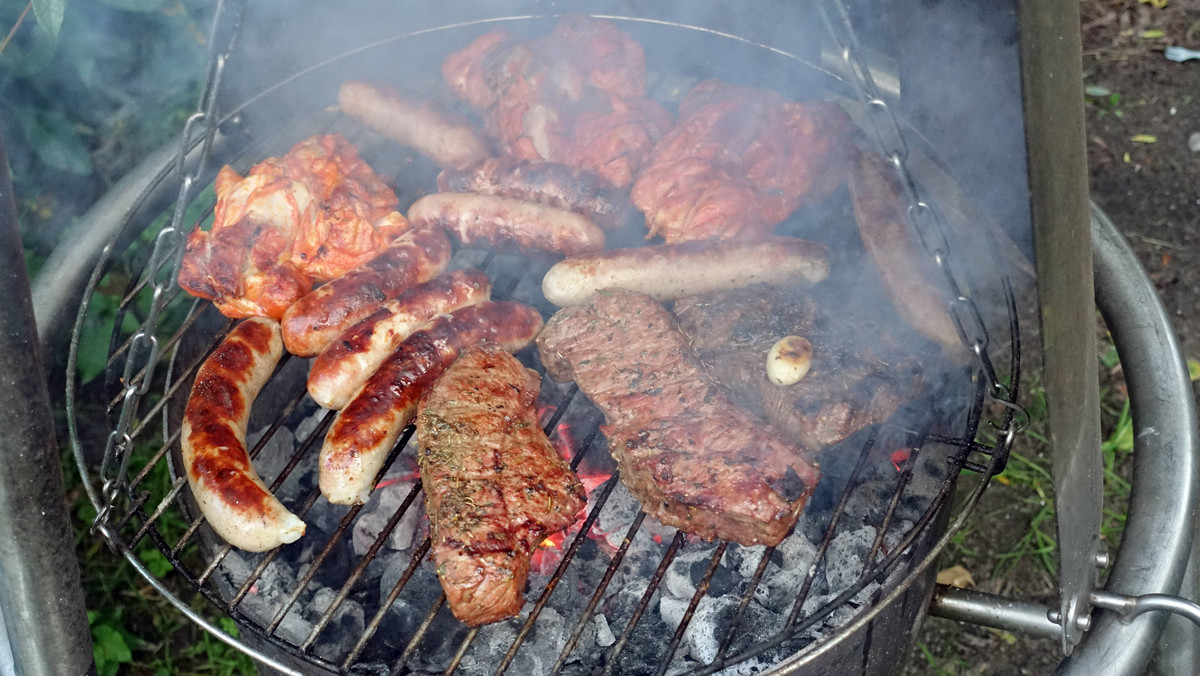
(739, 161)
(495, 487)
(577, 95)
(694, 459)
(861, 373)
(306, 217)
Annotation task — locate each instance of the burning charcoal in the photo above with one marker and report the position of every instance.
(414, 601)
(604, 634)
(268, 594)
(343, 630)
(845, 556)
(679, 581)
(379, 510)
(708, 626)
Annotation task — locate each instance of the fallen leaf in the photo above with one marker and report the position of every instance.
(956, 576)
(1193, 369)
(1153, 34)
(1126, 158)
(1006, 636)
(1097, 90)
(1144, 138)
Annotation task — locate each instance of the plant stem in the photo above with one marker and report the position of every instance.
(20, 20)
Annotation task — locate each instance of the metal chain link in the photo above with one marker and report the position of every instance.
(166, 256)
(923, 216)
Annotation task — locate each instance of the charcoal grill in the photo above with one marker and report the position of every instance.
(150, 368)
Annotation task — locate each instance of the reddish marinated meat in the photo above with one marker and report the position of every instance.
(575, 96)
(232, 497)
(549, 183)
(694, 459)
(306, 217)
(738, 162)
(862, 370)
(366, 429)
(313, 321)
(495, 487)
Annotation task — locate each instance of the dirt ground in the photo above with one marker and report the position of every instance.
(1141, 110)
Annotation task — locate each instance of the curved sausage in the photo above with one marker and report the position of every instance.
(447, 139)
(366, 429)
(906, 270)
(323, 314)
(346, 363)
(231, 496)
(673, 271)
(506, 224)
(557, 185)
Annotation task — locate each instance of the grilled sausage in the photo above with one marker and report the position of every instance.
(557, 185)
(231, 496)
(362, 433)
(346, 363)
(447, 139)
(506, 224)
(905, 268)
(673, 271)
(324, 314)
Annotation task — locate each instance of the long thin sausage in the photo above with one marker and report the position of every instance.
(558, 185)
(673, 271)
(362, 433)
(346, 363)
(447, 139)
(323, 314)
(506, 224)
(230, 493)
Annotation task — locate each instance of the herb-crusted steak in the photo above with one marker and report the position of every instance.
(495, 487)
(694, 459)
(862, 371)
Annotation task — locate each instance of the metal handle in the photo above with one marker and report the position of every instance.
(1129, 607)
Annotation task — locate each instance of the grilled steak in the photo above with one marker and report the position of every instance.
(861, 373)
(694, 459)
(495, 487)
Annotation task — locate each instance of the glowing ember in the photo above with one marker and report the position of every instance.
(899, 458)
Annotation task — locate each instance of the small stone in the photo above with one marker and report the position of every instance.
(1194, 142)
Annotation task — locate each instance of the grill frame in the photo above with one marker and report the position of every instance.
(112, 531)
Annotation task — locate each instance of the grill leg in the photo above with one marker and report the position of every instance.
(40, 593)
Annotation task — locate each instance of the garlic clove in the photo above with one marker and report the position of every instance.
(789, 360)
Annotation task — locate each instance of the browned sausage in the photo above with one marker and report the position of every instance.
(908, 272)
(672, 271)
(507, 224)
(346, 363)
(365, 430)
(231, 496)
(557, 185)
(447, 139)
(324, 314)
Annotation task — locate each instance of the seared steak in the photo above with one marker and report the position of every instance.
(495, 487)
(694, 459)
(861, 373)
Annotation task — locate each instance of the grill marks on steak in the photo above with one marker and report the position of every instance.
(495, 487)
(694, 459)
(862, 371)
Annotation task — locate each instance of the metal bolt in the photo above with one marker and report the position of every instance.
(1054, 616)
(1103, 560)
(1083, 622)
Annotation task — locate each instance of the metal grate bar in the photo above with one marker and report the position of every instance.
(701, 592)
(336, 537)
(462, 651)
(250, 581)
(208, 350)
(615, 651)
(415, 641)
(580, 537)
(361, 568)
(198, 308)
(158, 511)
(834, 518)
(747, 596)
(590, 611)
(901, 484)
(415, 560)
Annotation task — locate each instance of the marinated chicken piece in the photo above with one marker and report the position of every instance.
(306, 217)
(495, 487)
(694, 459)
(861, 373)
(738, 161)
(575, 96)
